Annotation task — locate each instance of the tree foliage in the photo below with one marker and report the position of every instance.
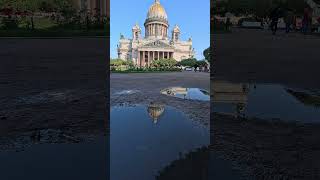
(190, 62)
(120, 62)
(164, 63)
(207, 54)
(259, 8)
(201, 63)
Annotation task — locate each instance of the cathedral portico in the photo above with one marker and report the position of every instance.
(146, 56)
(156, 44)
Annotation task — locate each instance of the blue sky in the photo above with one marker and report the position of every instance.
(193, 18)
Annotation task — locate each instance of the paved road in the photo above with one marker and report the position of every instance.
(292, 59)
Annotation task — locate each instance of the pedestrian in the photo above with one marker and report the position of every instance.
(274, 16)
(289, 18)
(228, 24)
(305, 20)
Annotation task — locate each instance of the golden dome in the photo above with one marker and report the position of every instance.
(157, 11)
(155, 111)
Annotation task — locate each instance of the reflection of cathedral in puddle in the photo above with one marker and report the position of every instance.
(176, 90)
(231, 93)
(155, 110)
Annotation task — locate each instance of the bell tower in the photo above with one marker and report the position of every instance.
(136, 32)
(175, 34)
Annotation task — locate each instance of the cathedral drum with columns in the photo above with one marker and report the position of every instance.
(156, 44)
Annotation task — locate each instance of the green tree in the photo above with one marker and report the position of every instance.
(164, 63)
(117, 62)
(201, 63)
(191, 62)
(29, 6)
(65, 8)
(207, 54)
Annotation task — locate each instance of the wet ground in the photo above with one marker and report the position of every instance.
(152, 131)
(53, 109)
(144, 88)
(266, 131)
(57, 160)
(267, 101)
(266, 116)
(149, 138)
(187, 93)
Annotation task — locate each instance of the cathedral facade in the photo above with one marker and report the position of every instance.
(156, 43)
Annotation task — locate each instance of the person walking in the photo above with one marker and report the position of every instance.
(274, 16)
(228, 24)
(289, 20)
(305, 20)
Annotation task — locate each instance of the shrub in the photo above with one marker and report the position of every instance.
(163, 63)
(9, 23)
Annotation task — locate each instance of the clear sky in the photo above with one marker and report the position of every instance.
(193, 18)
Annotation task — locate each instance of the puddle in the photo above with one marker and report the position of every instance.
(82, 161)
(269, 101)
(126, 92)
(146, 139)
(187, 93)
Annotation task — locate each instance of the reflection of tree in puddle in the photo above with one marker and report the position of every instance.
(193, 165)
(155, 110)
(305, 97)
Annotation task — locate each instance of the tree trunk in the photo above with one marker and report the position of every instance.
(32, 22)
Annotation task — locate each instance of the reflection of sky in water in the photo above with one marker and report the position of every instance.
(273, 101)
(141, 148)
(81, 161)
(189, 93)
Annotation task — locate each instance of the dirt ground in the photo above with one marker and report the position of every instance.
(53, 84)
(256, 55)
(148, 86)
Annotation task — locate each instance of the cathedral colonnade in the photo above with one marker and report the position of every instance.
(155, 29)
(145, 57)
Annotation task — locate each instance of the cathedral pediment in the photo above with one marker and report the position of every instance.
(156, 44)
